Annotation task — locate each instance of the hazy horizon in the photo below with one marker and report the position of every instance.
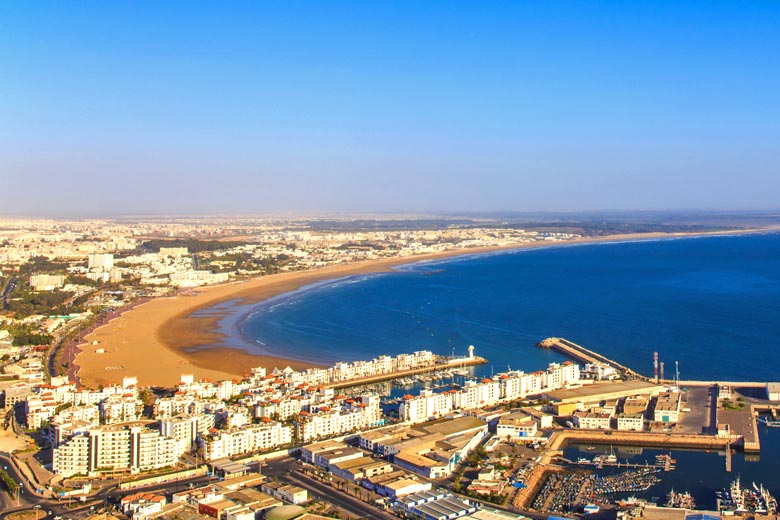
(306, 108)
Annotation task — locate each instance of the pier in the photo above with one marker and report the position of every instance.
(617, 464)
(728, 459)
(583, 355)
(449, 364)
(649, 439)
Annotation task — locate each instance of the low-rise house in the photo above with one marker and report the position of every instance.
(516, 424)
(592, 420)
(667, 407)
(292, 494)
(631, 422)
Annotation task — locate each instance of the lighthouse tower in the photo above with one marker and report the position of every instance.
(471, 351)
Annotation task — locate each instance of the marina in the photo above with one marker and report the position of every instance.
(741, 499)
(416, 375)
(571, 491)
(682, 500)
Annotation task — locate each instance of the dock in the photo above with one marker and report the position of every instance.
(581, 354)
(449, 364)
(728, 459)
(648, 439)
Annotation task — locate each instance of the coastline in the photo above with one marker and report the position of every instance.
(158, 340)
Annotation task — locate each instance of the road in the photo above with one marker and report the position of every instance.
(351, 505)
(28, 497)
(9, 288)
(287, 469)
(6, 500)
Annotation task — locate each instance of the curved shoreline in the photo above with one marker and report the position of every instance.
(163, 338)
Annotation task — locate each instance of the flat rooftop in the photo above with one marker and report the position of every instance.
(605, 391)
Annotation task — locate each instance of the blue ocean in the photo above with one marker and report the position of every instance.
(712, 304)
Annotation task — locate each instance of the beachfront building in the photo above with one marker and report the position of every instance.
(207, 389)
(473, 394)
(599, 371)
(427, 405)
(338, 418)
(120, 408)
(99, 449)
(363, 369)
(250, 438)
(197, 278)
(42, 400)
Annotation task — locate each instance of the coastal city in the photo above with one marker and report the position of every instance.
(389, 260)
(415, 435)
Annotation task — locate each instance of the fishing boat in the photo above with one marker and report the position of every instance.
(611, 458)
(743, 500)
(680, 500)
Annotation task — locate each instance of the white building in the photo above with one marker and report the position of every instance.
(592, 420)
(186, 430)
(339, 418)
(667, 407)
(631, 422)
(515, 425)
(100, 261)
(46, 282)
(113, 448)
(118, 408)
(505, 387)
(247, 439)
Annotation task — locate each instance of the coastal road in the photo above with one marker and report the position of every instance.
(26, 496)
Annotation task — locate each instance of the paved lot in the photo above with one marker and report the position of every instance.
(702, 403)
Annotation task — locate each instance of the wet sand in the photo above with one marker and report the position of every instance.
(155, 340)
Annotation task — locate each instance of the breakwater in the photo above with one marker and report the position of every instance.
(559, 439)
(583, 355)
(447, 365)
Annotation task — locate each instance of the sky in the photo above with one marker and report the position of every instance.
(118, 108)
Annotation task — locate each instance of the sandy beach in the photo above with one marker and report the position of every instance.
(151, 340)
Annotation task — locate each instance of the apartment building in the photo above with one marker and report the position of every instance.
(186, 430)
(113, 448)
(220, 444)
(46, 282)
(118, 408)
(488, 392)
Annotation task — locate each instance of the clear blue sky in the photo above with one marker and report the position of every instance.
(200, 107)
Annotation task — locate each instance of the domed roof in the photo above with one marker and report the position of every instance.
(284, 513)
